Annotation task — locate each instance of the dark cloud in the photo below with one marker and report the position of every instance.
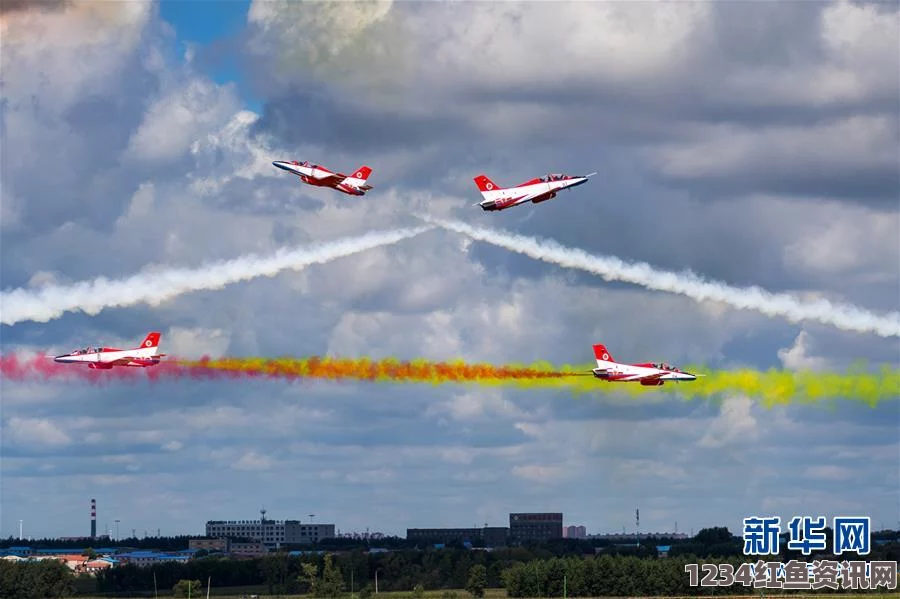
(762, 61)
(11, 6)
(303, 117)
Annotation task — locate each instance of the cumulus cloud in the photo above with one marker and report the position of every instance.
(735, 424)
(40, 432)
(173, 123)
(162, 165)
(798, 357)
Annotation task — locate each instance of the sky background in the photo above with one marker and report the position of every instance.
(754, 143)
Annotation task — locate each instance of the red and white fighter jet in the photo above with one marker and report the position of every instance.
(105, 358)
(536, 191)
(649, 374)
(313, 174)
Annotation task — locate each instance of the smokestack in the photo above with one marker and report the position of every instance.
(93, 518)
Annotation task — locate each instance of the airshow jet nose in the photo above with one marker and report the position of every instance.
(580, 180)
(284, 165)
(61, 358)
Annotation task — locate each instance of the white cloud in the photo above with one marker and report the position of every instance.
(796, 357)
(539, 473)
(853, 143)
(174, 122)
(63, 56)
(35, 432)
(735, 424)
(829, 472)
(847, 243)
(253, 461)
(196, 342)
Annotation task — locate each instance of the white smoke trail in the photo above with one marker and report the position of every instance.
(846, 317)
(153, 288)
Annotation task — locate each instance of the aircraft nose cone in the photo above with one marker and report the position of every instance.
(579, 181)
(58, 358)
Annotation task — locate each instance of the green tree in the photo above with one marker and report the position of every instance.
(418, 592)
(477, 580)
(187, 588)
(89, 553)
(331, 584)
(366, 591)
(309, 573)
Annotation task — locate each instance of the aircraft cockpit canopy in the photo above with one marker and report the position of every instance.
(554, 177)
(86, 350)
(304, 163)
(664, 366)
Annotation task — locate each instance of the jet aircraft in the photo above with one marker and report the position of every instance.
(104, 358)
(536, 190)
(319, 176)
(648, 374)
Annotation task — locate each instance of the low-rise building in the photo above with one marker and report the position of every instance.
(223, 545)
(148, 558)
(491, 536)
(271, 533)
(254, 549)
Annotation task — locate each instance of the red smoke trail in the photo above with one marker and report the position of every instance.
(42, 368)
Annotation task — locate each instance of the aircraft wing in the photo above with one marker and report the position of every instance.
(121, 361)
(652, 377)
(337, 177)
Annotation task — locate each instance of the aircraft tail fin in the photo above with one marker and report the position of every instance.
(152, 340)
(359, 178)
(484, 184)
(601, 354)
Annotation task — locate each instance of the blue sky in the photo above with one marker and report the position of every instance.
(755, 156)
(208, 25)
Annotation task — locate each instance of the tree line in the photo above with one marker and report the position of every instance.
(535, 570)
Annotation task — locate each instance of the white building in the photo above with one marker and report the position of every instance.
(271, 533)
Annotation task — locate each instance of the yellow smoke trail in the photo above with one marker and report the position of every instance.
(772, 387)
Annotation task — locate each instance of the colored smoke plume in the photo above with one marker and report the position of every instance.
(843, 316)
(153, 288)
(773, 387)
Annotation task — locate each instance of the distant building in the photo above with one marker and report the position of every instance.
(255, 549)
(491, 536)
(524, 527)
(148, 558)
(575, 532)
(297, 533)
(271, 533)
(223, 545)
(630, 536)
(495, 536)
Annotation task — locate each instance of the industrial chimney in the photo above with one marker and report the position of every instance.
(93, 518)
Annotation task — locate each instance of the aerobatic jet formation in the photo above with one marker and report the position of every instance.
(319, 176)
(648, 374)
(104, 358)
(535, 191)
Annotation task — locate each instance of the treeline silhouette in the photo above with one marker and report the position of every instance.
(544, 569)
